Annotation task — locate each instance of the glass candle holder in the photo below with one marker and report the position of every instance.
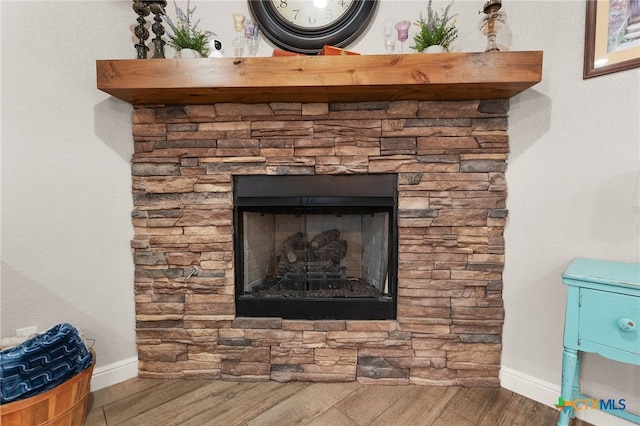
(251, 36)
(402, 28)
(389, 37)
(238, 42)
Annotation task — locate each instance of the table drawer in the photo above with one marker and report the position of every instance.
(610, 319)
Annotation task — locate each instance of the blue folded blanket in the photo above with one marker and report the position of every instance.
(42, 363)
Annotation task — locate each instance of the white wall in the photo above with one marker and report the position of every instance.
(66, 194)
(66, 184)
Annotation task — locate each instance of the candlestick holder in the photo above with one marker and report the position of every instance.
(140, 31)
(157, 9)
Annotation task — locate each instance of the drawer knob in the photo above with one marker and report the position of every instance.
(625, 324)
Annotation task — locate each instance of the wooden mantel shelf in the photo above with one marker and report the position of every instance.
(444, 76)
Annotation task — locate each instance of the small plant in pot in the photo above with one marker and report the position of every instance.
(435, 30)
(185, 34)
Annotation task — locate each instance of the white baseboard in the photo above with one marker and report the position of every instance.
(112, 374)
(547, 394)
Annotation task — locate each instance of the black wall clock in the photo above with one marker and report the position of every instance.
(304, 26)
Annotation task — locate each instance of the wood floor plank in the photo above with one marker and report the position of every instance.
(497, 409)
(96, 417)
(120, 411)
(368, 402)
(522, 411)
(113, 393)
(333, 417)
(451, 418)
(420, 405)
(472, 403)
(189, 404)
(239, 408)
(306, 405)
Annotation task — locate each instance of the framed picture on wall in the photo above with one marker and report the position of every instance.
(612, 36)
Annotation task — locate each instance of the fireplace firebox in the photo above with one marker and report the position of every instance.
(316, 247)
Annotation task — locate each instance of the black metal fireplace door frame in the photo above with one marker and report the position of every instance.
(329, 194)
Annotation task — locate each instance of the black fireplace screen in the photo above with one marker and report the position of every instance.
(316, 247)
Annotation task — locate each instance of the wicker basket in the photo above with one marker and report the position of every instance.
(64, 405)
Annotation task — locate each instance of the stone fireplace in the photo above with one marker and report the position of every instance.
(437, 127)
(447, 160)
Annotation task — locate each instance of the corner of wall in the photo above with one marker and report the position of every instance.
(115, 373)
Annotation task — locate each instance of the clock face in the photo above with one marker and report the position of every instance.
(311, 13)
(305, 26)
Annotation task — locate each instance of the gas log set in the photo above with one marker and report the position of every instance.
(313, 269)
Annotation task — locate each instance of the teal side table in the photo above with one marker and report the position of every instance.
(603, 316)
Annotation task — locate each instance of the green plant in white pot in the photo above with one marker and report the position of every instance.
(185, 34)
(435, 30)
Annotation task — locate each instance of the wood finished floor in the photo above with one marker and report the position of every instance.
(211, 402)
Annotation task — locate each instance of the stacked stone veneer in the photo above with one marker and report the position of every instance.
(450, 158)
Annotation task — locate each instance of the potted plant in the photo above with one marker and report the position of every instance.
(186, 35)
(435, 30)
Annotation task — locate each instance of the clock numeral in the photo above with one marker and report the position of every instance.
(283, 4)
(312, 19)
(328, 15)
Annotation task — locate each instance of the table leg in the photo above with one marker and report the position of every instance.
(570, 387)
